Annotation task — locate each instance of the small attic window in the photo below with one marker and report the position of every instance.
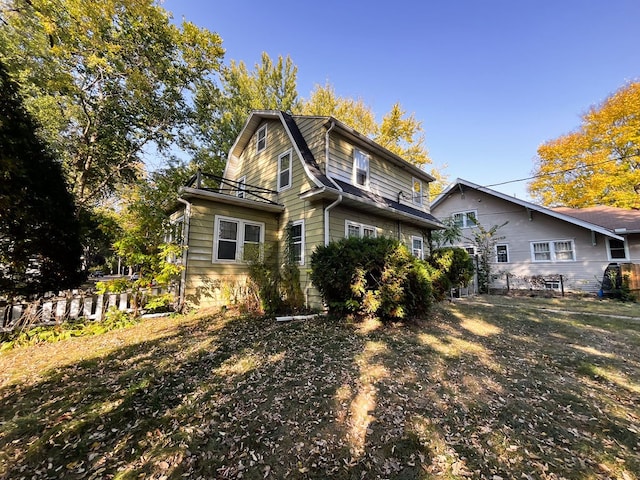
(261, 139)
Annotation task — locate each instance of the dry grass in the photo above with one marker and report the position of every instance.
(482, 389)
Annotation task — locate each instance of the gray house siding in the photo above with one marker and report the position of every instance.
(524, 227)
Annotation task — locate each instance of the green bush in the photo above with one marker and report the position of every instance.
(452, 267)
(371, 276)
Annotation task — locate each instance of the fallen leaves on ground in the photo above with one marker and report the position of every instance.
(475, 391)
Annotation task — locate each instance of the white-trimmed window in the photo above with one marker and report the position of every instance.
(502, 253)
(616, 249)
(416, 191)
(236, 239)
(297, 241)
(284, 171)
(417, 247)
(360, 168)
(261, 139)
(465, 219)
(470, 250)
(242, 185)
(354, 229)
(553, 251)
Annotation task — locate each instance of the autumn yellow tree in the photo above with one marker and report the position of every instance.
(398, 132)
(598, 164)
(324, 101)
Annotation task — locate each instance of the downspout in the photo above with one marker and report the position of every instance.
(185, 251)
(326, 167)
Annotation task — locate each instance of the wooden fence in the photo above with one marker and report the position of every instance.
(56, 310)
(631, 271)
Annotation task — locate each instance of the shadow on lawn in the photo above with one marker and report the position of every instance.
(537, 394)
(464, 394)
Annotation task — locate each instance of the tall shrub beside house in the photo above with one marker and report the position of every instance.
(371, 276)
(453, 267)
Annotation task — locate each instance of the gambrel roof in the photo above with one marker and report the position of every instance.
(572, 217)
(325, 186)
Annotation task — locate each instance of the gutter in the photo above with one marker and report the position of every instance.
(185, 252)
(326, 167)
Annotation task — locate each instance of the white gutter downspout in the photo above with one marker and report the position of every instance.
(183, 275)
(326, 167)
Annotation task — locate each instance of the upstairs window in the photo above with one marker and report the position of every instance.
(261, 139)
(616, 249)
(465, 219)
(354, 229)
(360, 168)
(284, 171)
(556, 251)
(502, 254)
(416, 191)
(417, 247)
(242, 185)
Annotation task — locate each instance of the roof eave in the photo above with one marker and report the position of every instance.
(329, 193)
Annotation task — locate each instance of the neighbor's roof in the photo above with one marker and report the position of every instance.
(560, 215)
(619, 220)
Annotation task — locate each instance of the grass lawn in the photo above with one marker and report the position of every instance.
(491, 387)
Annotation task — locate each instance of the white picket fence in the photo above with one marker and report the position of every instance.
(70, 307)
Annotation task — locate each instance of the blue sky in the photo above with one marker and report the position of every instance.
(490, 79)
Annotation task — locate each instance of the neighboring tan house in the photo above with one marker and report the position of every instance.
(541, 244)
(317, 175)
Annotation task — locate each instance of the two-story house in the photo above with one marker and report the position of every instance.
(539, 247)
(313, 173)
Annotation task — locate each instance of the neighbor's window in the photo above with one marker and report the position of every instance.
(354, 229)
(557, 251)
(616, 249)
(417, 247)
(297, 241)
(242, 185)
(502, 254)
(237, 239)
(261, 139)
(465, 219)
(360, 168)
(284, 171)
(417, 191)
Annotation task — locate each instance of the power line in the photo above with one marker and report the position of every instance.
(558, 172)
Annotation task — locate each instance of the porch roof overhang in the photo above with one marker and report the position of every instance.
(376, 205)
(188, 192)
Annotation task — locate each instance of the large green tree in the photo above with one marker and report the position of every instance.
(220, 113)
(40, 246)
(599, 163)
(109, 79)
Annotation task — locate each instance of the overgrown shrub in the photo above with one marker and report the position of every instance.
(278, 284)
(452, 267)
(371, 276)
